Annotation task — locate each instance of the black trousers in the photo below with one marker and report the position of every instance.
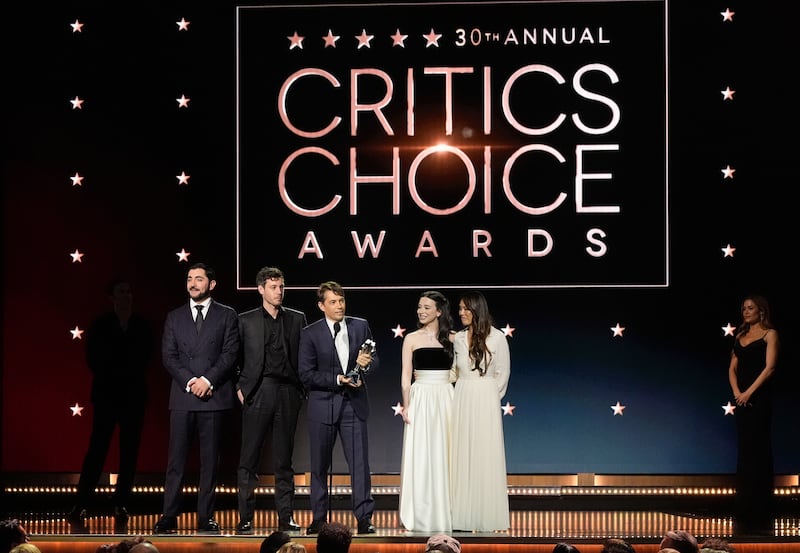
(272, 410)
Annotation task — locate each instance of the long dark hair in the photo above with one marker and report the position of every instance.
(482, 323)
(763, 309)
(445, 319)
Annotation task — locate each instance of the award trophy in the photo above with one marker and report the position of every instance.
(356, 373)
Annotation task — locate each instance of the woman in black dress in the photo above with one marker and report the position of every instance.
(755, 352)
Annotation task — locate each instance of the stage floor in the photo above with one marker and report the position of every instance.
(527, 526)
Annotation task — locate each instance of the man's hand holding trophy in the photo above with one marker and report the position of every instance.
(354, 376)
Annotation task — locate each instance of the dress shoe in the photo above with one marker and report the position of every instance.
(365, 526)
(166, 525)
(244, 527)
(210, 526)
(315, 527)
(288, 526)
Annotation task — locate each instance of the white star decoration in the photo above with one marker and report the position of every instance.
(77, 333)
(728, 172)
(508, 330)
(76, 410)
(363, 39)
(183, 25)
(183, 101)
(77, 179)
(183, 178)
(727, 330)
(398, 331)
(508, 409)
(295, 41)
(330, 39)
(77, 103)
(727, 94)
(727, 15)
(77, 256)
(77, 27)
(397, 408)
(399, 39)
(727, 251)
(183, 255)
(618, 409)
(432, 39)
(728, 408)
(617, 330)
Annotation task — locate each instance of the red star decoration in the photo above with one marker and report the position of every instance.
(183, 101)
(432, 39)
(77, 333)
(728, 172)
(295, 41)
(77, 27)
(183, 25)
(183, 178)
(727, 251)
(617, 330)
(77, 179)
(77, 103)
(76, 410)
(397, 408)
(399, 39)
(183, 255)
(508, 409)
(77, 256)
(508, 330)
(728, 330)
(727, 94)
(330, 39)
(618, 409)
(728, 408)
(363, 39)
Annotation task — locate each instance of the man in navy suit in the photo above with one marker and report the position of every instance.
(271, 395)
(200, 345)
(337, 403)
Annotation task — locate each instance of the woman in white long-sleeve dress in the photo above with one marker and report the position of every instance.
(478, 482)
(427, 413)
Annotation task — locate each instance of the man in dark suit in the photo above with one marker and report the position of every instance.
(119, 346)
(200, 345)
(337, 403)
(271, 395)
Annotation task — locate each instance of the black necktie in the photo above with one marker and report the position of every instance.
(336, 328)
(198, 321)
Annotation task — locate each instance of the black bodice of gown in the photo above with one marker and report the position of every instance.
(751, 361)
(430, 359)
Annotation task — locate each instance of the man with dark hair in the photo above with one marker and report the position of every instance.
(200, 345)
(274, 541)
(271, 395)
(119, 346)
(334, 537)
(334, 353)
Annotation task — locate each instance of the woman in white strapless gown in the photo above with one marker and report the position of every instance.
(427, 407)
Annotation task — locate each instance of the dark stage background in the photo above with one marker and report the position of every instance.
(666, 279)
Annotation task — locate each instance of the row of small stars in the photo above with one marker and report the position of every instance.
(364, 40)
(77, 27)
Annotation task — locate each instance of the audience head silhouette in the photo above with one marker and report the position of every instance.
(334, 538)
(274, 541)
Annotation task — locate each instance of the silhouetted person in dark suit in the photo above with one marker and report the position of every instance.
(119, 347)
